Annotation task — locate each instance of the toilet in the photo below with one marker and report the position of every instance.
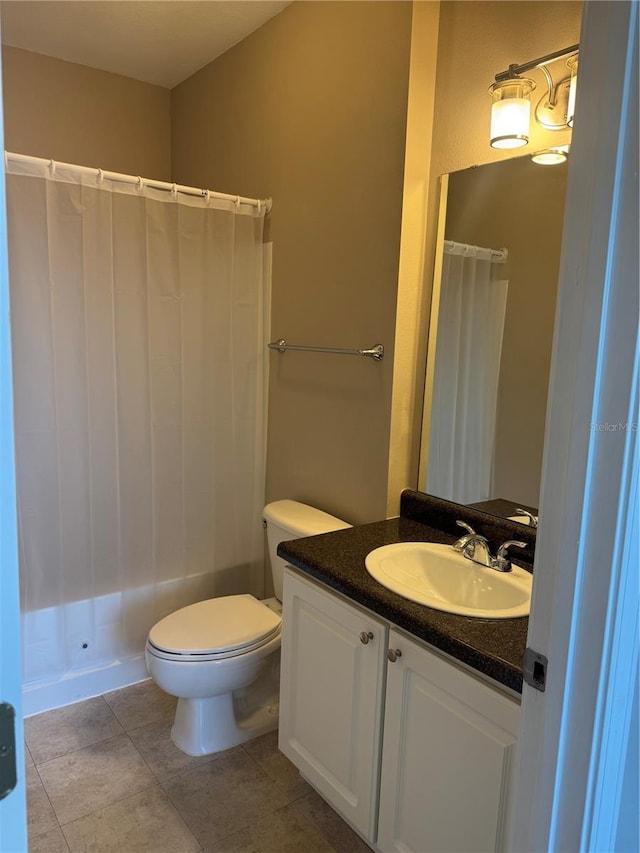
(221, 657)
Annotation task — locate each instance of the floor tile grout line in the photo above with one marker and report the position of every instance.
(114, 712)
(214, 756)
(145, 788)
(108, 805)
(146, 763)
(175, 775)
(70, 705)
(46, 793)
(79, 748)
(145, 724)
(270, 778)
(238, 828)
(274, 780)
(69, 752)
(182, 818)
(295, 799)
(108, 704)
(121, 800)
(259, 766)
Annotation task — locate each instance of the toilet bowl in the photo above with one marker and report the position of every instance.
(221, 657)
(204, 654)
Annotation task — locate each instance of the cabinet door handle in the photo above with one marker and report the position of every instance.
(365, 636)
(394, 654)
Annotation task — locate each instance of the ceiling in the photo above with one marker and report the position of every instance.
(157, 41)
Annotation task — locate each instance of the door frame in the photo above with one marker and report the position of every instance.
(576, 736)
(13, 817)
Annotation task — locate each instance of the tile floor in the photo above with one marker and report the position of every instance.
(103, 776)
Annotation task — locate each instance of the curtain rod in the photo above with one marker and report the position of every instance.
(465, 249)
(141, 182)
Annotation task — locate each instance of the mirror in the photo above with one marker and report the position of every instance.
(491, 332)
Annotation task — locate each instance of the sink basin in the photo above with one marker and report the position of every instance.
(443, 579)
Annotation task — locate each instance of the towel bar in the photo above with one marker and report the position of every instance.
(376, 352)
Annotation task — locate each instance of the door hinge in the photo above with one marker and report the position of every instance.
(8, 767)
(534, 669)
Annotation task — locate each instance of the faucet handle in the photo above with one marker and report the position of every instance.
(461, 544)
(532, 520)
(502, 558)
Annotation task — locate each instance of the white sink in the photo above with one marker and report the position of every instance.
(443, 579)
(523, 519)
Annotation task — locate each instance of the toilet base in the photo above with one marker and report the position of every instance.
(216, 723)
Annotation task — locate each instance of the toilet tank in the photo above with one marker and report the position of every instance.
(287, 520)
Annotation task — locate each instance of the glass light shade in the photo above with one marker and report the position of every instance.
(572, 64)
(511, 112)
(551, 156)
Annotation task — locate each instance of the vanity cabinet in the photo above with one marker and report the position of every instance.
(416, 753)
(448, 756)
(331, 696)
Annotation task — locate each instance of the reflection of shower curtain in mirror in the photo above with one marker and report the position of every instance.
(139, 365)
(473, 299)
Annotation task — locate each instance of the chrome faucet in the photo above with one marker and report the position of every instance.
(476, 548)
(532, 520)
(461, 544)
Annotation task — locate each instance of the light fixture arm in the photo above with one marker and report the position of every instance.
(515, 70)
(553, 96)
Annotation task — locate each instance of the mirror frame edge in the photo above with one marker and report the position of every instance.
(432, 339)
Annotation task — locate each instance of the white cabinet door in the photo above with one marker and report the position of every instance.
(448, 757)
(331, 698)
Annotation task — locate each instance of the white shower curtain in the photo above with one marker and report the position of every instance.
(473, 300)
(138, 319)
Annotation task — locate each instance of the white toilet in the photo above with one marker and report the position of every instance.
(221, 657)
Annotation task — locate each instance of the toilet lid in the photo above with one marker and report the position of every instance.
(233, 622)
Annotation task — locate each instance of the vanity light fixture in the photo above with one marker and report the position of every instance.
(511, 107)
(510, 112)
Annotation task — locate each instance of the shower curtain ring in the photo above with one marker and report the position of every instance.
(140, 183)
(174, 190)
(100, 177)
(237, 203)
(52, 167)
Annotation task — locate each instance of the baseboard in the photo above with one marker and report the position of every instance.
(81, 684)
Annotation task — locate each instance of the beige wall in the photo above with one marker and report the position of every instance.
(404, 441)
(75, 114)
(517, 205)
(476, 40)
(311, 110)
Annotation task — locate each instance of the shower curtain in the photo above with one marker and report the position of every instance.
(138, 320)
(473, 299)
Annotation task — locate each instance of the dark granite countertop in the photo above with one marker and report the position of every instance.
(494, 647)
(505, 508)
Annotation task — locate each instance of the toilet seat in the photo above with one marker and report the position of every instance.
(215, 629)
